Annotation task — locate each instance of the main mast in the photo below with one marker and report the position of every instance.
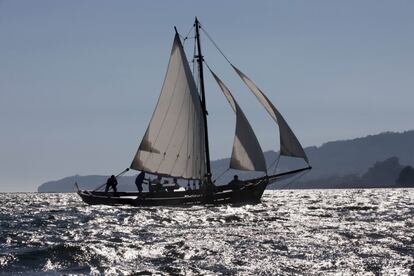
(199, 57)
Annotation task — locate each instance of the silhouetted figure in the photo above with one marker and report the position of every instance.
(170, 187)
(188, 186)
(156, 185)
(139, 180)
(236, 184)
(176, 186)
(111, 183)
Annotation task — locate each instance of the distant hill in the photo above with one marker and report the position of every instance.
(357, 155)
(406, 176)
(338, 164)
(383, 174)
(88, 182)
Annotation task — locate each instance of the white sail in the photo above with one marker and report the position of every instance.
(174, 141)
(289, 144)
(247, 153)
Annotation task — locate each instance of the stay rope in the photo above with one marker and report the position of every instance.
(215, 44)
(295, 178)
(118, 175)
(186, 37)
(277, 159)
(218, 177)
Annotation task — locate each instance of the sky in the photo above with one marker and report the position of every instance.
(79, 79)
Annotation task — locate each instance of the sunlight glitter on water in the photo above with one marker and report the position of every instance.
(362, 232)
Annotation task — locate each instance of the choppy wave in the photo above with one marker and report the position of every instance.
(291, 232)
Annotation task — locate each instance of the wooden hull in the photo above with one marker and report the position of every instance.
(251, 193)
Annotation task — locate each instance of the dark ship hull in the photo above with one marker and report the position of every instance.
(251, 193)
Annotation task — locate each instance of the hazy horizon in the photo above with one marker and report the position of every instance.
(80, 80)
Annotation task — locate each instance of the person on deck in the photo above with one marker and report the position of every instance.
(236, 184)
(175, 182)
(139, 180)
(111, 183)
(157, 186)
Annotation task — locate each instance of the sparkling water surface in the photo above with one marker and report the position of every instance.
(314, 232)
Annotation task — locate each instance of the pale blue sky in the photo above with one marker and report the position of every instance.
(79, 79)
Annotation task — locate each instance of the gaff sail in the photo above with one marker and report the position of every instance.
(247, 153)
(173, 143)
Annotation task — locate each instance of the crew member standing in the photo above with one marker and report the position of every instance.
(139, 180)
(236, 184)
(111, 183)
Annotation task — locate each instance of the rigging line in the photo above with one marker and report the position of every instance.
(205, 62)
(218, 177)
(277, 163)
(194, 54)
(186, 37)
(215, 44)
(119, 174)
(273, 162)
(295, 179)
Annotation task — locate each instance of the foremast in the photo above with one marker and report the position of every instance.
(199, 58)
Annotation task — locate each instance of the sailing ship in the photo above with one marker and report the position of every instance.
(176, 145)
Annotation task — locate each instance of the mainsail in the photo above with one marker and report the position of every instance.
(247, 153)
(173, 143)
(289, 144)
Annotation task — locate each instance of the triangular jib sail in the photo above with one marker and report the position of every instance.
(247, 153)
(289, 144)
(173, 143)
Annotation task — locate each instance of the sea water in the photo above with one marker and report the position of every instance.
(312, 232)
